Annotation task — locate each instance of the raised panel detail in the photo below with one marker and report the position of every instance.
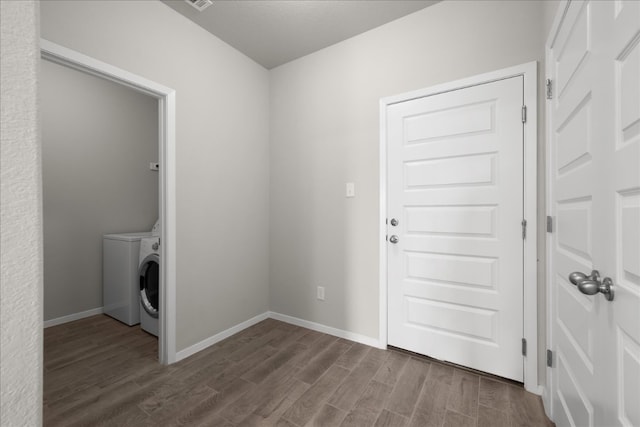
(458, 121)
(628, 93)
(451, 318)
(571, 318)
(454, 171)
(574, 228)
(628, 380)
(618, 6)
(575, 50)
(573, 396)
(474, 271)
(574, 138)
(474, 221)
(628, 229)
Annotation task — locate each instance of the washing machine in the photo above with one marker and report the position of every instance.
(149, 280)
(120, 286)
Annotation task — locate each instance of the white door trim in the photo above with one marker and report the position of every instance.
(167, 150)
(530, 313)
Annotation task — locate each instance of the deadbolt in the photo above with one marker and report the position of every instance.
(394, 222)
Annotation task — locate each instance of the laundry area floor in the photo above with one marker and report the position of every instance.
(98, 371)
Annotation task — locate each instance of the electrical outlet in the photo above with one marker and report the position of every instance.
(320, 293)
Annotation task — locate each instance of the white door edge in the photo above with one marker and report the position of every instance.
(547, 395)
(167, 183)
(529, 71)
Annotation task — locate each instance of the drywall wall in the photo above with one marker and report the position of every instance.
(20, 213)
(98, 138)
(325, 132)
(221, 155)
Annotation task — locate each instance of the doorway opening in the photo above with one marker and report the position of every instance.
(167, 178)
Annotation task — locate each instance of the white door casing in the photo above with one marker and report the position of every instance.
(454, 155)
(593, 151)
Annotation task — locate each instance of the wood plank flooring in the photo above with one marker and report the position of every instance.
(100, 372)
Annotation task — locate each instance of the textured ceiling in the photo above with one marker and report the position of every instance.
(273, 32)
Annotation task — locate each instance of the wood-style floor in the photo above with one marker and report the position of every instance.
(101, 372)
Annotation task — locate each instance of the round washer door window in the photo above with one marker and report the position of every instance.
(150, 284)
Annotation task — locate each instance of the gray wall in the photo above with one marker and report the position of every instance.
(325, 132)
(221, 155)
(98, 138)
(20, 213)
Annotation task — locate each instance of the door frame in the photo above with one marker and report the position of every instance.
(530, 135)
(167, 158)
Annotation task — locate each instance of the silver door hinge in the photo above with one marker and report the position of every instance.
(550, 358)
(524, 114)
(549, 85)
(549, 224)
(524, 229)
(524, 347)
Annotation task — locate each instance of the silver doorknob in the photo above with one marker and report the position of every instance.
(394, 239)
(591, 285)
(576, 277)
(394, 222)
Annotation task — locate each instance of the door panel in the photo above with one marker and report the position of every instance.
(595, 198)
(455, 183)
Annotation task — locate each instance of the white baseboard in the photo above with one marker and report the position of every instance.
(351, 336)
(207, 342)
(72, 317)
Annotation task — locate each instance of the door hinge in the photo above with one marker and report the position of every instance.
(524, 229)
(524, 114)
(524, 346)
(549, 224)
(549, 85)
(550, 358)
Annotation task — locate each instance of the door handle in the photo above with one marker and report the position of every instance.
(591, 285)
(394, 239)
(576, 277)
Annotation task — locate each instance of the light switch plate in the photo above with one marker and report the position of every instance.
(350, 189)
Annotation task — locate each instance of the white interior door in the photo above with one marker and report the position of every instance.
(455, 188)
(594, 175)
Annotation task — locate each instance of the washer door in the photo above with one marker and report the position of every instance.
(149, 273)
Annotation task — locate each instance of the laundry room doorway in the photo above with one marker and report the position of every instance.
(161, 168)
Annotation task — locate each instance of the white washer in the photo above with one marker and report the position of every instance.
(120, 287)
(149, 280)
